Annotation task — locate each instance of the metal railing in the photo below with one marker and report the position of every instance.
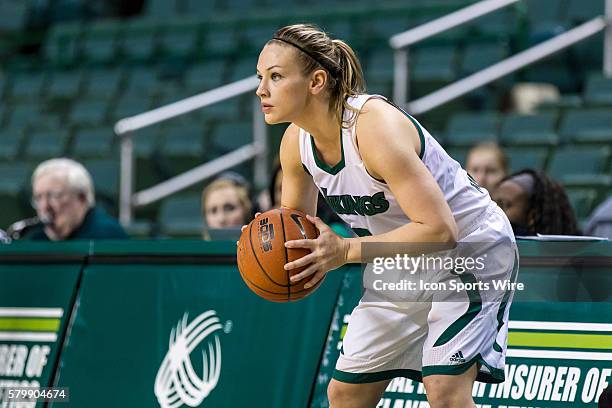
(124, 128)
(401, 42)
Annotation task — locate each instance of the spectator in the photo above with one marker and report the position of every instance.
(64, 200)
(226, 202)
(535, 204)
(488, 164)
(600, 223)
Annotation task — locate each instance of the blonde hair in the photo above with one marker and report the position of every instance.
(76, 175)
(241, 192)
(317, 50)
(500, 155)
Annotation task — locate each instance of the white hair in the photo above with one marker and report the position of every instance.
(76, 175)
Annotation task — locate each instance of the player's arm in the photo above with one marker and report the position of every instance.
(389, 144)
(298, 189)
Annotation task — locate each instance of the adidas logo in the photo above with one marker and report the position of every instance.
(457, 357)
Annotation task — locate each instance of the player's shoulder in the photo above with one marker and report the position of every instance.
(291, 137)
(380, 120)
(378, 109)
(290, 145)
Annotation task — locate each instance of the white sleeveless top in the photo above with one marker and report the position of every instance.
(366, 204)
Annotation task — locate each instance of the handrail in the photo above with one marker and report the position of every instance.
(507, 66)
(126, 126)
(400, 42)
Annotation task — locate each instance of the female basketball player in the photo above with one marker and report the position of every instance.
(386, 176)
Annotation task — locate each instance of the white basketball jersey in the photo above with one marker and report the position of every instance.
(366, 204)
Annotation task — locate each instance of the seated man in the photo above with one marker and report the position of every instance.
(63, 197)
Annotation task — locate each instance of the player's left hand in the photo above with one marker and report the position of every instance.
(329, 251)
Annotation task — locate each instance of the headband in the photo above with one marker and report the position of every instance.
(525, 181)
(329, 68)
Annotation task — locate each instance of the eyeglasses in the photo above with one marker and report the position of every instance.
(51, 197)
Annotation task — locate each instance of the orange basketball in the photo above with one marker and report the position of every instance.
(262, 254)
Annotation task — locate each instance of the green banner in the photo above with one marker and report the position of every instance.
(36, 299)
(168, 332)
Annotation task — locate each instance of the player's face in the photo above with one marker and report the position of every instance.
(486, 169)
(283, 88)
(513, 200)
(224, 209)
(63, 208)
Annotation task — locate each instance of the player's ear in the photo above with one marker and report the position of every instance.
(318, 81)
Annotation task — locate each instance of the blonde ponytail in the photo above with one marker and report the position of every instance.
(337, 58)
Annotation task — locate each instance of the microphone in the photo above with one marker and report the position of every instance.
(18, 229)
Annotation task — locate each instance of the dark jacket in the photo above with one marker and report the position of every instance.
(96, 225)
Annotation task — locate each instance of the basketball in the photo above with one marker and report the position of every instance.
(262, 254)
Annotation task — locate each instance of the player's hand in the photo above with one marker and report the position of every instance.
(327, 252)
(246, 225)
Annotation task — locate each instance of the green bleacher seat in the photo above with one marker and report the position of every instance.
(339, 28)
(138, 42)
(204, 76)
(130, 105)
(580, 165)
(10, 143)
(379, 66)
(197, 7)
(230, 136)
(28, 86)
(218, 41)
(181, 148)
(253, 38)
(3, 86)
(242, 68)
(379, 29)
(93, 143)
(65, 84)
(579, 11)
(499, 24)
(181, 216)
(598, 91)
(46, 121)
(13, 183)
(142, 80)
(566, 102)
(61, 45)
(44, 145)
(88, 112)
(433, 68)
(162, 8)
(22, 115)
(479, 56)
(582, 201)
(228, 109)
(102, 83)
(469, 129)
(526, 158)
(180, 39)
(587, 126)
(231, 5)
(13, 15)
(146, 163)
(554, 70)
(539, 11)
(529, 130)
(99, 44)
(105, 175)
